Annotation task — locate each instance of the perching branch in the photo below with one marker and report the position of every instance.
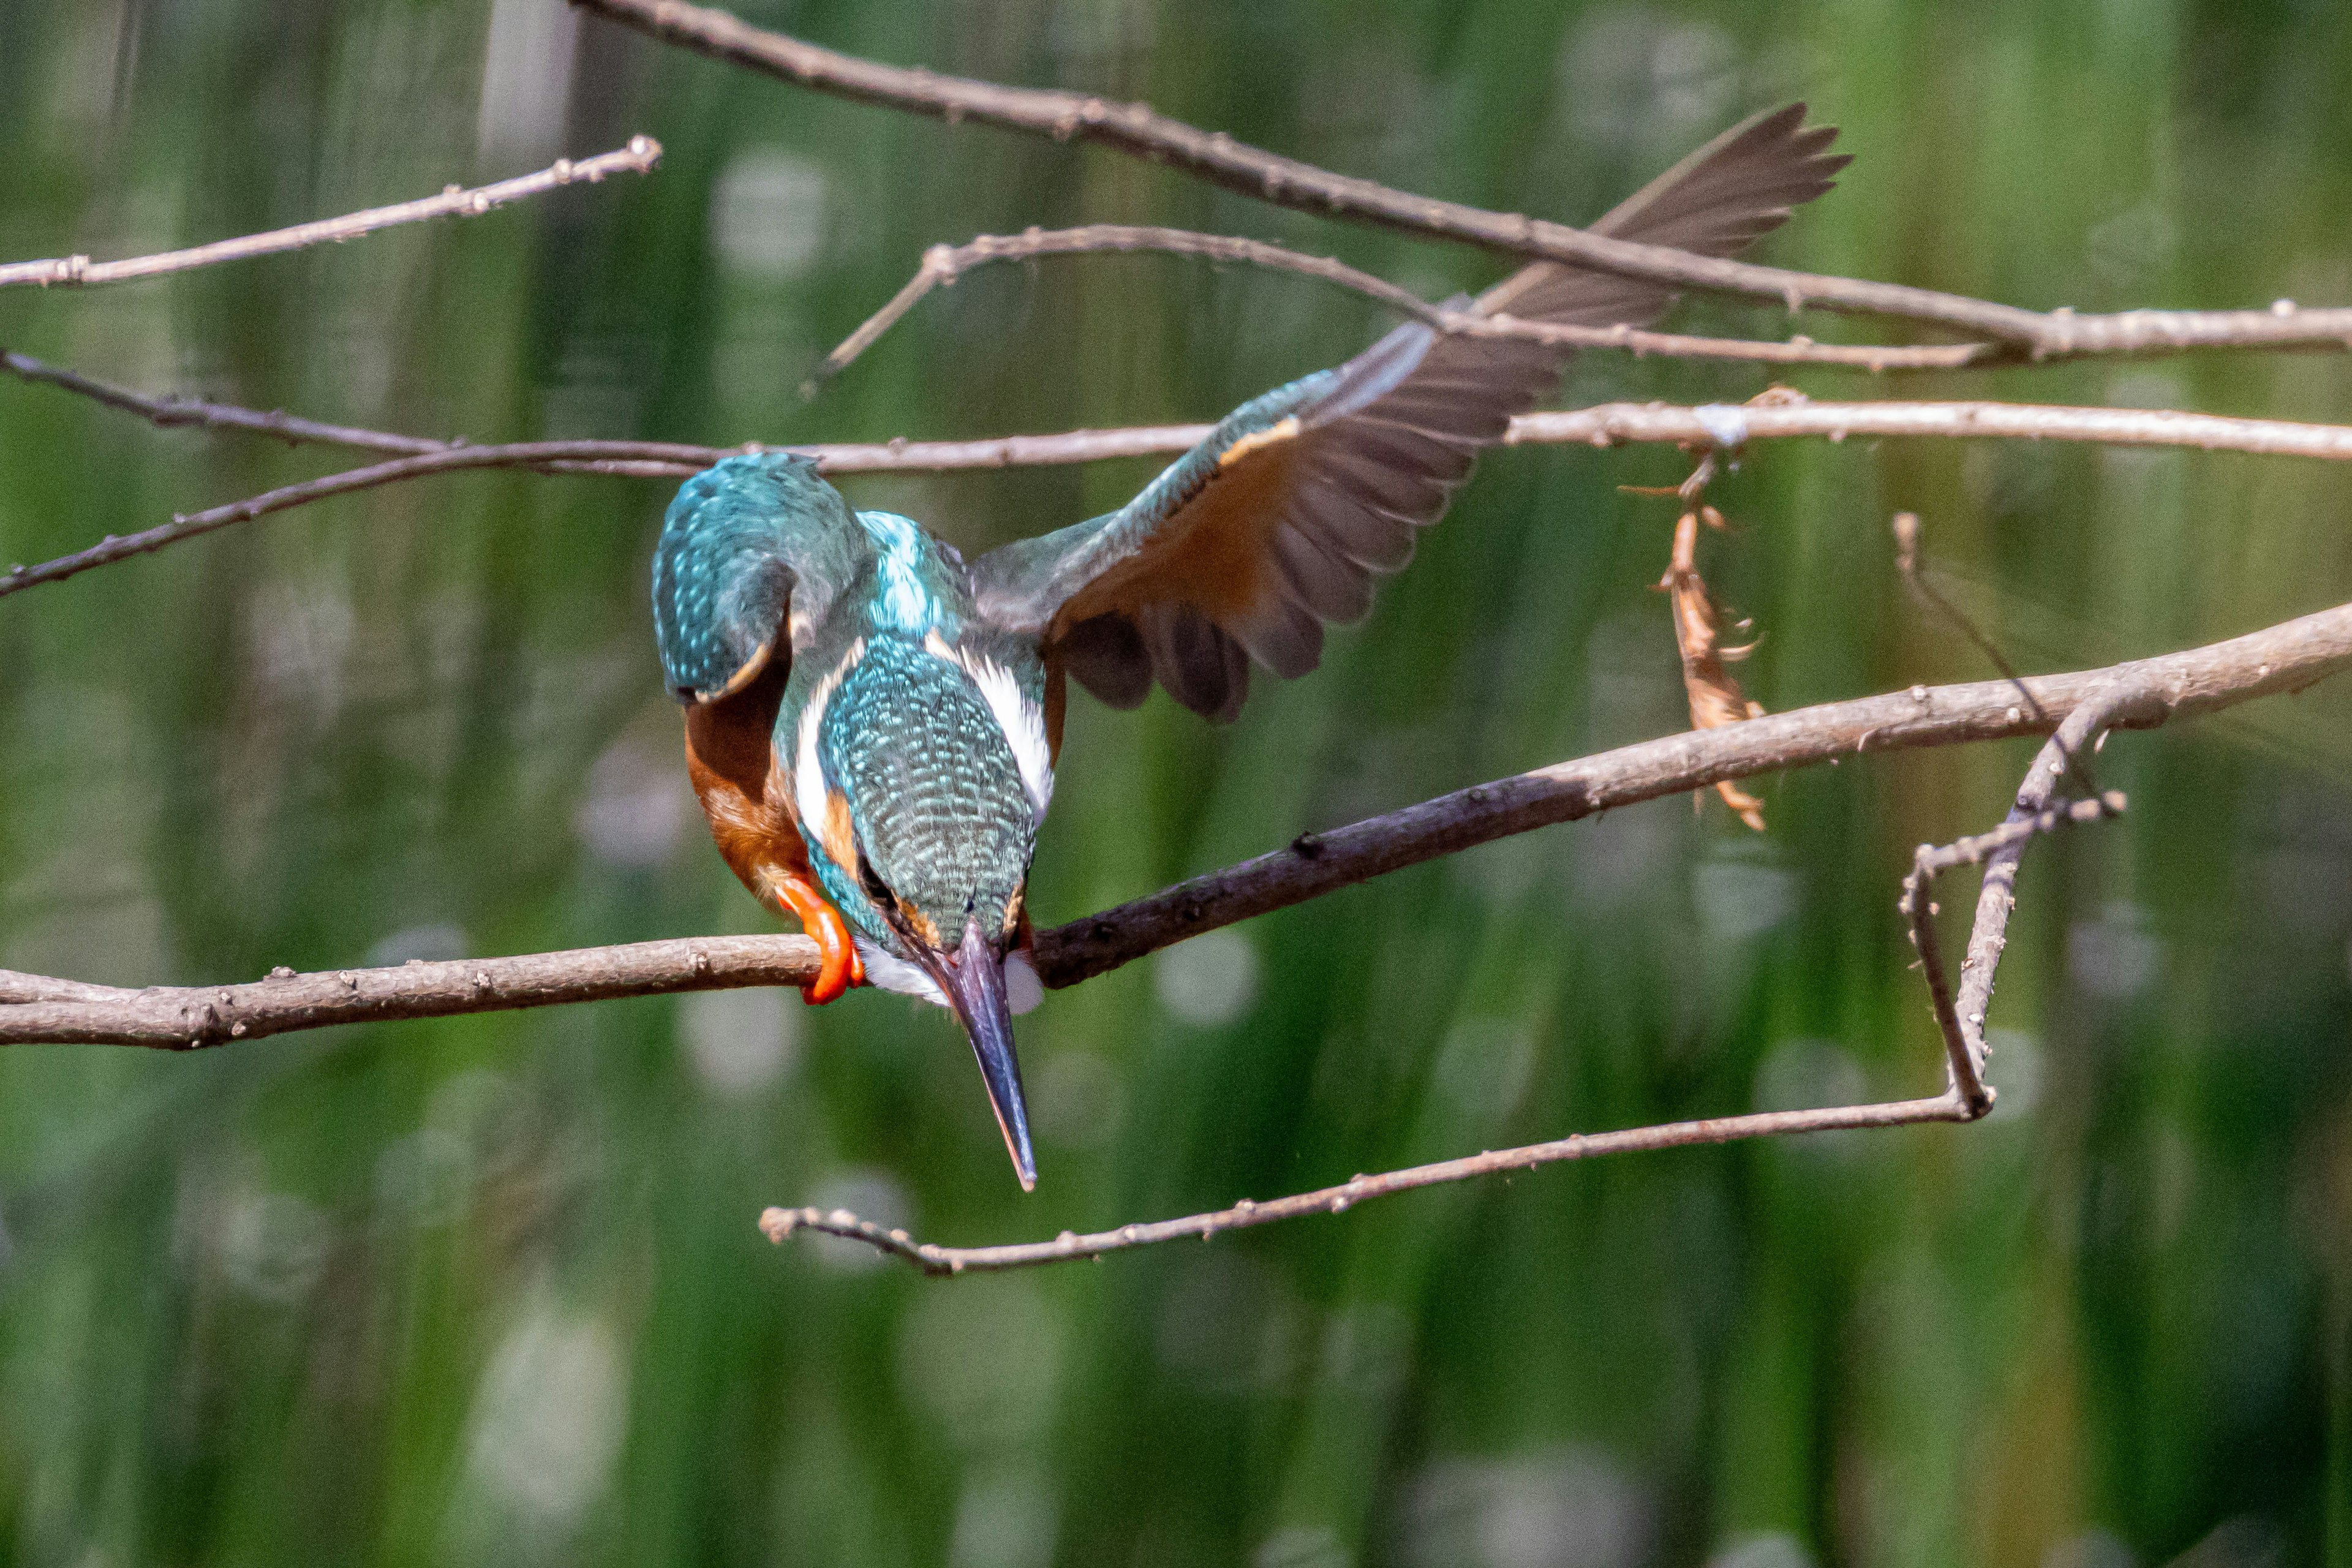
(2142, 694)
(2284, 658)
(1722, 426)
(943, 263)
(638, 158)
(36, 1009)
(2018, 336)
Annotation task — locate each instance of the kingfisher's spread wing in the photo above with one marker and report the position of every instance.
(1276, 523)
(746, 545)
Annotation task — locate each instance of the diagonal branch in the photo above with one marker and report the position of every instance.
(1134, 129)
(638, 158)
(931, 1259)
(2285, 658)
(1965, 1049)
(943, 263)
(1711, 425)
(173, 411)
(2143, 693)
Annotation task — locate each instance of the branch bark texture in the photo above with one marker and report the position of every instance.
(36, 1009)
(943, 263)
(79, 272)
(1135, 129)
(1708, 427)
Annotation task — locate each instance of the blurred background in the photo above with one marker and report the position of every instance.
(488, 1289)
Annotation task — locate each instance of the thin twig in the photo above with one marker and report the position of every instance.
(1906, 562)
(2126, 699)
(1965, 1050)
(780, 1223)
(1730, 426)
(173, 411)
(942, 265)
(2143, 694)
(656, 458)
(1720, 425)
(2284, 658)
(1135, 130)
(638, 158)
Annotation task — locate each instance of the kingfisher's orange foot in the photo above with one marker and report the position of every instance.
(838, 965)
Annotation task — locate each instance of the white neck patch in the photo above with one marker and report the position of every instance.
(1020, 719)
(808, 770)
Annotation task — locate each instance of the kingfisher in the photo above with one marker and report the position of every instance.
(871, 721)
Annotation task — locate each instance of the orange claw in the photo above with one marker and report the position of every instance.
(838, 965)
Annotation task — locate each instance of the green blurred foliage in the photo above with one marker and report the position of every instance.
(488, 1289)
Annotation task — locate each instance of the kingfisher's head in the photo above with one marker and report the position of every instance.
(921, 776)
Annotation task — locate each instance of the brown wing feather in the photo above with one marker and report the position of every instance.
(1285, 531)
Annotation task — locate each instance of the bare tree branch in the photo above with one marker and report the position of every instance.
(2143, 693)
(173, 411)
(1735, 425)
(1965, 1049)
(1135, 130)
(638, 158)
(1906, 562)
(1717, 425)
(942, 265)
(780, 1223)
(36, 1009)
(2285, 658)
(656, 458)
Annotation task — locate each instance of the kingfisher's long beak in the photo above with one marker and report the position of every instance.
(974, 977)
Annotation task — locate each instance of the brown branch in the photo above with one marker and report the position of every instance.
(173, 411)
(657, 458)
(1965, 1050)
(1728, 425)
(942, 265)
(638, 158)
(1966, 1098)
(2142, 694)
(779, 1223)
(1135, 130)
(2127, 700)
(36, 1009)
(639, 458)
(2284, 658)
(1720, 425)
(1914, 578)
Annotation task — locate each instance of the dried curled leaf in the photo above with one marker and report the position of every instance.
(1716, 699)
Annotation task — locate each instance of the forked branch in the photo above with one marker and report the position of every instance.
(36, 1009)
(1717, 426)
(943, 263)
(2141, 694)
(2017, 335)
